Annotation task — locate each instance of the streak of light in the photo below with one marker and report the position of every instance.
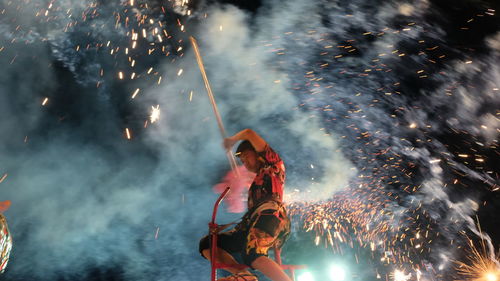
(3, 177)
(127, 133)
(135, 93)
(480, 264)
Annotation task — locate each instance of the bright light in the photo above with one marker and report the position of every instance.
(306, 276)
(401, 276)
(491, 277)
(337, 273)
(155, 113)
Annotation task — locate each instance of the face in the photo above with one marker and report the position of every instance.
(249, 158)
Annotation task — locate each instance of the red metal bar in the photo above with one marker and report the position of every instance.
(212, 226)
(217, 203)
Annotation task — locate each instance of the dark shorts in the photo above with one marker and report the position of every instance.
(254, 235)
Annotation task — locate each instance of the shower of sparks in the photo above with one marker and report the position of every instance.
(155, 113)
(480, 264)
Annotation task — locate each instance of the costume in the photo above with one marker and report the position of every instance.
(265, 224)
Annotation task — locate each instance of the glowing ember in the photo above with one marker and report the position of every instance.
(155, 113)
(3, 178)
(127, 133)
(135, 93)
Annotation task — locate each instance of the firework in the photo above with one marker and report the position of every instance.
(480, 264)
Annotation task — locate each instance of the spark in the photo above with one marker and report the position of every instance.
(45, 100)
(155, 113)
(127, 133)
(401, 276)
(491, 276)
(3, 177)
(135, 93)
(480, 265)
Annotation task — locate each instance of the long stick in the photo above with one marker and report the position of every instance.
(229, 155)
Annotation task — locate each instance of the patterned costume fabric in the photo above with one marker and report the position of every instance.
(265, 224)
(269, 182)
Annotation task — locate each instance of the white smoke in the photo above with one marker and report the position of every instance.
(79, 204)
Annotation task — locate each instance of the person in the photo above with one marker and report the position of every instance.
(265, 224)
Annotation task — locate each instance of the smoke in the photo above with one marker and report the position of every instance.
(83, 198)
(250, 92)
(332, 90)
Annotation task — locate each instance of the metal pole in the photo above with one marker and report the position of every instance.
(229, 155)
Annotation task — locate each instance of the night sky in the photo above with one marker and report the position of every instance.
(386, 114)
